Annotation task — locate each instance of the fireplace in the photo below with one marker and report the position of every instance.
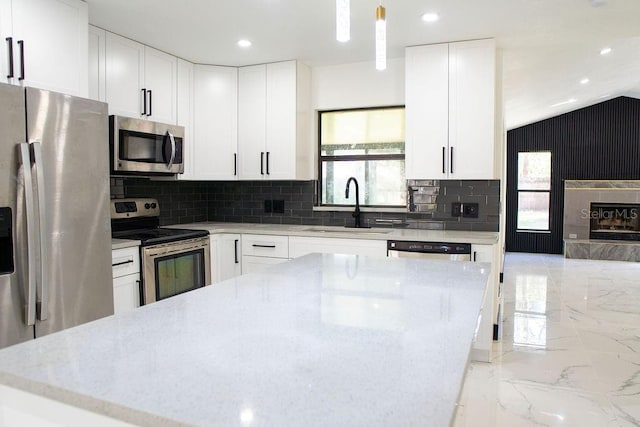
(614, 221)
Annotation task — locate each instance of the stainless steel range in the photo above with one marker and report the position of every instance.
(173, 260)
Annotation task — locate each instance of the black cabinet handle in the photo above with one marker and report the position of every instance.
(21, 44)
(122, 263)
(262, 163)
(144, 101)
(267, 163)
(264, 246)
(150, 103)
(451, 161)
(474, 256)
(235, 164)
(444, 162)
(10, 46)
(235, 254)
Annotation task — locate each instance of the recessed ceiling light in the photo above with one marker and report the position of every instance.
(584, 81)
(430, 17)
(605, 51)
(244, 43)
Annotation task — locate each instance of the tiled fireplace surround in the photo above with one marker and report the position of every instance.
(578, 195)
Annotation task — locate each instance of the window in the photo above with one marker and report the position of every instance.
(534, 189)
(367, 144)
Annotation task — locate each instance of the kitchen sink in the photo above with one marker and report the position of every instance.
(347, 230)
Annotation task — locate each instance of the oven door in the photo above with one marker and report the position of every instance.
(142, 146)
(173, 268)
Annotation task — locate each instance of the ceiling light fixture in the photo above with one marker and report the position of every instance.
(381, 38)
(605, 51)
(430, 17)
(343, 21)
(584, 81)
(244, 43)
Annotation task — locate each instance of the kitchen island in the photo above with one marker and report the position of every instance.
(319, 340)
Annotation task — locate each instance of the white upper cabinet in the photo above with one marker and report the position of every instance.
(160, 82)
(124, 76)
(281, 120)
(472, 104)
(47, 44)
(274, 120)
(97, 66)
(215, 142)
(426, 111)
(184, 114)
(141, 82)
(252, 118)
(450, 110)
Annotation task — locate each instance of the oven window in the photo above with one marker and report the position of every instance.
(176, 274)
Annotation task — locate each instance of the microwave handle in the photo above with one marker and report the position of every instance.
(173, 149)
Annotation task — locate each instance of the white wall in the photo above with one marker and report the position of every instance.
(357, 85)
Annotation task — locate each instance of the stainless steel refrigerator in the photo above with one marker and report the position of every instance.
(55, 231)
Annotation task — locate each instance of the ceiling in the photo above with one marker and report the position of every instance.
(547, 46)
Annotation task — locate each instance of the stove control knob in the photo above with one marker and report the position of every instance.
(153, 205)
(147, 206)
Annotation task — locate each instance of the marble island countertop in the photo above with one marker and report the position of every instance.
(374, 233)
(319, 340)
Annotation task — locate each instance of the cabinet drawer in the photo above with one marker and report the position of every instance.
(267, 246)
(125, 261)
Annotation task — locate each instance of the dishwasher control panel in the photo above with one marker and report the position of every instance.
(429, 247)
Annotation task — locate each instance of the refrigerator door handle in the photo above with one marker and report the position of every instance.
(42, 275)
(25, 159)
(173, 149)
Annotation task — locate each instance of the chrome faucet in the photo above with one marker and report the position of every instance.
(356, 212)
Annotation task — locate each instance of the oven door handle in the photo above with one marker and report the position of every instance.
(173, 150)
(149, 251)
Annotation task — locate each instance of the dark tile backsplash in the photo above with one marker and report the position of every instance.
(245, 201)
(181, 202)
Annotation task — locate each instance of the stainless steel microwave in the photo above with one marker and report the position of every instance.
(143, 147)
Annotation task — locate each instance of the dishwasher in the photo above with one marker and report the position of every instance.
(429, 250)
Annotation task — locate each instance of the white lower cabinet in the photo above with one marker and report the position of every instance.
(492, 304)
(299, 246)
(260, 251)
(226, 256)
(125, 264)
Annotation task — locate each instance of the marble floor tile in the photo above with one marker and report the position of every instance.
(570, 349)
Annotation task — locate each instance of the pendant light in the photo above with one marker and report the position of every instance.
(381, 38)
(343, 21)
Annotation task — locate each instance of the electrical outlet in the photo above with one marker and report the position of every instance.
(456, 209)
(268, 206)
(278, 206)
(470, 210)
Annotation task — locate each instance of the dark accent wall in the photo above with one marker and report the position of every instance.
(597, 142)
(244, 201)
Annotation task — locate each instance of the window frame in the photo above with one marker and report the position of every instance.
(518, 191)
(355, 157)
